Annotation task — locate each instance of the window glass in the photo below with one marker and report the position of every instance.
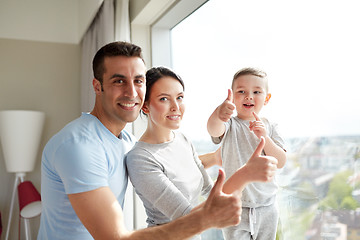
(311, 53)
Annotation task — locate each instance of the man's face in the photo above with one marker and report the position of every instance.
(123, 89)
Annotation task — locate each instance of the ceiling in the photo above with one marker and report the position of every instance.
(63, 21)
(66, 21)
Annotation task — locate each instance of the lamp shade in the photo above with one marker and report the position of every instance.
(29, 200)
(20, 135)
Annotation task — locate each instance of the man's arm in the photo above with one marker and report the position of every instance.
(102, 215)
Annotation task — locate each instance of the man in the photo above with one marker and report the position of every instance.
(83, 173)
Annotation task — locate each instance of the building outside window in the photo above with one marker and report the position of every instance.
(310, 52)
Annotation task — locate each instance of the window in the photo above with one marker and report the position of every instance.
(310, 50)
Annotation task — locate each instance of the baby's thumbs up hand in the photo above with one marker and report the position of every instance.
(226, 109)
(230, 96)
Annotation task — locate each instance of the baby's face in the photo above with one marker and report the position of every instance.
(250, 95)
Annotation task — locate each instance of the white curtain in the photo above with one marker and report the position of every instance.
(122, 33)
(122, 20)
(111, 23)
(112, 18)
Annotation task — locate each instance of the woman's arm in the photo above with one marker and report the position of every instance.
(258, 168)
(211, 159)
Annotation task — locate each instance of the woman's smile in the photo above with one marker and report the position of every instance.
(174, 117)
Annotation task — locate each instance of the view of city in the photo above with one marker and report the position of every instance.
(309, 50)
(319, 189)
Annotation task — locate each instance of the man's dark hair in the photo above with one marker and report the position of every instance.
(112, 50)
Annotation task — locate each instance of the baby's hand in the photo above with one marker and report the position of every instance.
(226, 109)
(257, 126)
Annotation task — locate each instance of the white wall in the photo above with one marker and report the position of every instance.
(40, 68)
(36, 76)
(62, 21)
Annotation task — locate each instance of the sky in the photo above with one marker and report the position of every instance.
(310, 50)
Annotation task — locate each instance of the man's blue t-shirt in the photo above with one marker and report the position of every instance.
(82, 157)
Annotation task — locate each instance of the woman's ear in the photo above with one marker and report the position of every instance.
(145, 108)
(268, 96)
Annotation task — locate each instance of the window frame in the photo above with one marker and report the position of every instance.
(161, 30)
(155, 39)
(161, 35)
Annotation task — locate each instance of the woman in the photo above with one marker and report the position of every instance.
(164, 167)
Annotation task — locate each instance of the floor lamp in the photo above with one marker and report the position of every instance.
(20, 135)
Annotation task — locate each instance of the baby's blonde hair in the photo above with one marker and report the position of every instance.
(251, 71)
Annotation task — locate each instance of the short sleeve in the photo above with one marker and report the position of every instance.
(276, 136)
(81, 166)
(217, 140)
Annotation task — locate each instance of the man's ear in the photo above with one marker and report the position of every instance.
(268, 96)
(97, 86)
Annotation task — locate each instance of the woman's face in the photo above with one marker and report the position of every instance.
(165, 107)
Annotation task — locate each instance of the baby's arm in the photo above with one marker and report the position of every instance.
(222, 113)
(257, 169)
(270, 149)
